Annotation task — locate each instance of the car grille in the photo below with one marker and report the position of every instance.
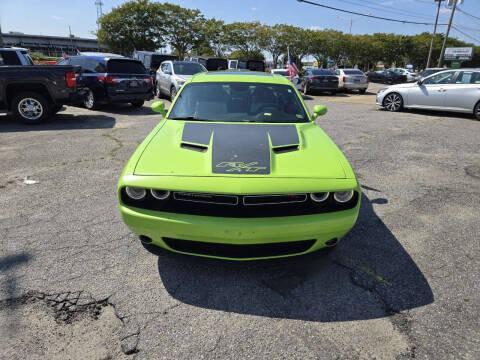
(239, 251)
(239, 206)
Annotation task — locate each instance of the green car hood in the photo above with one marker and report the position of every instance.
(189, 148)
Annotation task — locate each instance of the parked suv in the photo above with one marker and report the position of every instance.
(112, 79)
(171, 75)
(352, 79)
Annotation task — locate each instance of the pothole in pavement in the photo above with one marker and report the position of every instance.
(64, 325)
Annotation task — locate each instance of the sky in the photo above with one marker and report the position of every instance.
(53, 17)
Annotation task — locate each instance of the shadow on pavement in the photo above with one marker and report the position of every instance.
(61, 121)
(369, 275)
(126, 109)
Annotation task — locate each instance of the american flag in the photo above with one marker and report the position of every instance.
(291, 68)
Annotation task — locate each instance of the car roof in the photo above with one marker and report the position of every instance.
(240, 76)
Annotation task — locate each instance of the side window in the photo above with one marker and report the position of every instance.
(465, 77)
(439, 79)
(337, 72)
(10, 58)
(62, 62)
(163, 67)
(476, 78)
(168, 68)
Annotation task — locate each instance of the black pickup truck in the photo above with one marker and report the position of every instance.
(32, 93)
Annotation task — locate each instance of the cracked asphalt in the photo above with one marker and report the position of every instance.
(75, 283)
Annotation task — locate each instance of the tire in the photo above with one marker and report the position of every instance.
(158, 93)
(362, 91)
(90, 102)
(476, 111)
(173, 93)
(393, 102)
(334, 92)
(137, 104)
(30, 107)
(305, 90)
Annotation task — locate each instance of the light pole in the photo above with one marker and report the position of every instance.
(442, 53)
(433, 35)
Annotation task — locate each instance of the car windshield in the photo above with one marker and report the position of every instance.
(353, 72)
(323, 72)
(239, 102)
(188, 68)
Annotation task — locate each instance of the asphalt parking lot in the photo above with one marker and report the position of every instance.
(75, 283)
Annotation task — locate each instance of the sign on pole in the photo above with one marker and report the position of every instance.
(460, 53)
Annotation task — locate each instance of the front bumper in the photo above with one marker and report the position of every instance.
(158, 226)
(379, 98)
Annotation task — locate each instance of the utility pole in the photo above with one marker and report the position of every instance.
(442, 53)
(434, 33)
(99, 4)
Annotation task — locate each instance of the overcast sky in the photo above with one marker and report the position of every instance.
(52, 17)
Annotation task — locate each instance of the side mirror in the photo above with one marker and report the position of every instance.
(159, 107)
(420, 82)
(319, 110)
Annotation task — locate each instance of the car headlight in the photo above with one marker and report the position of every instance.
(180, 81)
(160, 194)
(343, 196)
(319, 197)
(135, 193)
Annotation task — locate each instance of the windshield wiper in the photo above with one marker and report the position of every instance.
(191, 118)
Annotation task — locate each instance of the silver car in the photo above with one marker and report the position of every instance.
(450, 90)
(171, 75)
(352, 79)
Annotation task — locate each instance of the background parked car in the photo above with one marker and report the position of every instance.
(319, 80)
(15, 56)
(211, 63)
(252, 65)
(171, 75)
(152, 60)
(352, 79)
(113, 79)
(411, 76)
(451, 90)
(428, 72)
(386, 77)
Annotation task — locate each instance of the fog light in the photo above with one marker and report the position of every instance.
(319, 197)
(135, 193)
(343, 196)
(160, 194)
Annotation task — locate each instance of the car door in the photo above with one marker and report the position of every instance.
(430, 93)
(464, 92)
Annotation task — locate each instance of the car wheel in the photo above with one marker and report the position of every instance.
(476, 111)
(393, 102)
(158, 93)
(90, 102)
(30, 107)
(137, 104)
(305, 89)
(362, 91)
(173, 93)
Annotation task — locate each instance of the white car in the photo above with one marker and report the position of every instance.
(411, 76)
(450, 90)
(352, 79)
(171, 75)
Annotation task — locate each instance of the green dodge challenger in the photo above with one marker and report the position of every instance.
(238, 169)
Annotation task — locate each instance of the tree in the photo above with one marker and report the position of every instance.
(245, 37)
(136, 24)
(183, 29)
(214, 39)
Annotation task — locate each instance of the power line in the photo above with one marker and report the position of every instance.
(465, 34)
(465, 13)
(361, 3)
(367, 15)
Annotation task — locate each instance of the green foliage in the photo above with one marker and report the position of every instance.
(148, 25)
(136, 24)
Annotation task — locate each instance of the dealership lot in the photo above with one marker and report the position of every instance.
(404, 283)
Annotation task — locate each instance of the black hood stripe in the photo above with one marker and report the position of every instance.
(240, 149)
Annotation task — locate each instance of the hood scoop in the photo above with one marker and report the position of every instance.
(194, 147)
(240, 148)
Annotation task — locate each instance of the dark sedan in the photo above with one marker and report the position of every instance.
(386, 77)
(319, 80)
